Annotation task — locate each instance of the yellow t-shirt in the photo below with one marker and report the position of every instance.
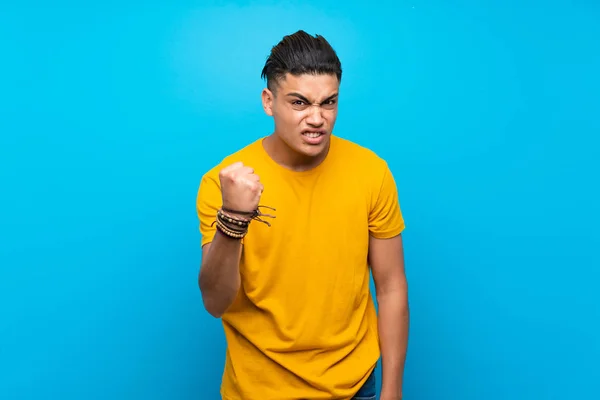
(304, 325)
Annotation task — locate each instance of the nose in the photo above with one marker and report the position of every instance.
(315, 118)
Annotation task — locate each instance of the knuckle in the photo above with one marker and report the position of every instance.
(229, 177)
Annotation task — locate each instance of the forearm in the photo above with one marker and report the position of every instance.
(393, 338)
(219, 278)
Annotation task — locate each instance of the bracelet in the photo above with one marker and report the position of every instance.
(233, 227)
(256, 214)
(232, 221)
(237, 228)
(229, 233)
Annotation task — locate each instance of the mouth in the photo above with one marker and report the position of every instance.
(313, 136)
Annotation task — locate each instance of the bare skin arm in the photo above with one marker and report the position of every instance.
(387, 263)
(219, 277)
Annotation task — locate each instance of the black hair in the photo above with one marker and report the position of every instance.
(301, 53)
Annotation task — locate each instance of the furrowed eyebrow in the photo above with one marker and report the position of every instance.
(299, 96)
(333, 96)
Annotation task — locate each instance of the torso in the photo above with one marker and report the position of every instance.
(305, 302)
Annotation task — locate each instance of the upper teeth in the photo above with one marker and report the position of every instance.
(312, 134)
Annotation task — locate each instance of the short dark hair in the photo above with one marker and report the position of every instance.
(301, 53)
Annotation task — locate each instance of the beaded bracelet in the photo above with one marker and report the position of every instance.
(233, 221)
(237, 228)
(230, 226)
(230, 233)
(256, 214)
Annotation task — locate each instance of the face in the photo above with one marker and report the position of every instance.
(304, 109)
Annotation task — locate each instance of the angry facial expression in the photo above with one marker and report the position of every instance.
(304, 109)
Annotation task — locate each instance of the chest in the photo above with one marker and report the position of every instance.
(320, 204)
(314, 219)
(317, 242)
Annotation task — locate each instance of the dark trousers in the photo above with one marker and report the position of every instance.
(368, 391)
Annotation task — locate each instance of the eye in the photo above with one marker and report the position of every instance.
(329, 104)
(297, 102)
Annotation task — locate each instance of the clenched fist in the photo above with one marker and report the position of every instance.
(240, 187)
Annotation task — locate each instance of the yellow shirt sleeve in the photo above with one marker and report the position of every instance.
(209, 200)
(385, 217)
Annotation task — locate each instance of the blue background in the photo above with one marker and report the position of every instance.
(488, 114)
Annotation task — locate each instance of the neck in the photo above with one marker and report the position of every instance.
(285, 156)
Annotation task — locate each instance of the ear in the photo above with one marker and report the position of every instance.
(267, 101)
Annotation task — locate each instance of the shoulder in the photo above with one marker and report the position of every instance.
(359, 157)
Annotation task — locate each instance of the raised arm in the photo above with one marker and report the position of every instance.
(219, 277)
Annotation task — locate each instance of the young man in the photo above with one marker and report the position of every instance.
(292, 286)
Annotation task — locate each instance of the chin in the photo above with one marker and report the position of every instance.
(313, 150)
